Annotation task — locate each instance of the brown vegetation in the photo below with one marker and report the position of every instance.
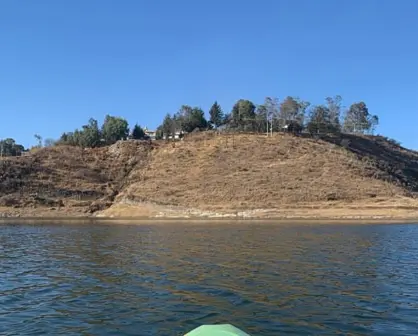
(85, 180)
(215, 173)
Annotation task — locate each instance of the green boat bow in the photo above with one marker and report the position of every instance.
(217, 330)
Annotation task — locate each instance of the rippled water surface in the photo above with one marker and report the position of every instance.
(110, 279)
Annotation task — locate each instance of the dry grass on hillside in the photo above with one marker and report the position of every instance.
(212, 172)
(69, 174)
(253, 171)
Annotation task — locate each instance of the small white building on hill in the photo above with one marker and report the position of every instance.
(151, 133)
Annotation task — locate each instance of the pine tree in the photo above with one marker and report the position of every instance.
(216, 115)
(138, 133)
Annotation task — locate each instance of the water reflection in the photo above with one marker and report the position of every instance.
(168, 279)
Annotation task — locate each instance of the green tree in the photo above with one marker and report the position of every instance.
(216, 115)
(90, 134)
(88, 137)
(303, 108)
(243, 115)
(9, 147)
(114, 129)
(67, 138)
(292, 109)
(320, 121)
(179, 119)
(6, 147)
(227, 119)
(18, 149)
(159, 134)
(261, 117)
(191, 118)
(359, 120)
(138, 132)
(167, 126)
(78, 138)
(64, 138)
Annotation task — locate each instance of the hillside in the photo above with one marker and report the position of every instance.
(66, 180)
(216, 175)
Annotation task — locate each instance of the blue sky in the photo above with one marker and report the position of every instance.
(62, 62)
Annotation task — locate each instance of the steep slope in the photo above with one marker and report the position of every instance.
(71, 179)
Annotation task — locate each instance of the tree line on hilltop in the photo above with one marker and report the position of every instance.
(273, 115)
(245, 116)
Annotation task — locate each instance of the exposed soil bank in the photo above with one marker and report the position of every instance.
(400, 210)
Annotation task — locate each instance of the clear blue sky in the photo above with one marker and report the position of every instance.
(64, 61)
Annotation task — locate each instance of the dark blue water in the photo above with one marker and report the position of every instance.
(167, 279)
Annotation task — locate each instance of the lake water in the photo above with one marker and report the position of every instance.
(286, 279)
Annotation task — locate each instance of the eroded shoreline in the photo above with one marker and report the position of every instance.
(385, 212)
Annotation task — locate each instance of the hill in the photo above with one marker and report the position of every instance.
(216, 175)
